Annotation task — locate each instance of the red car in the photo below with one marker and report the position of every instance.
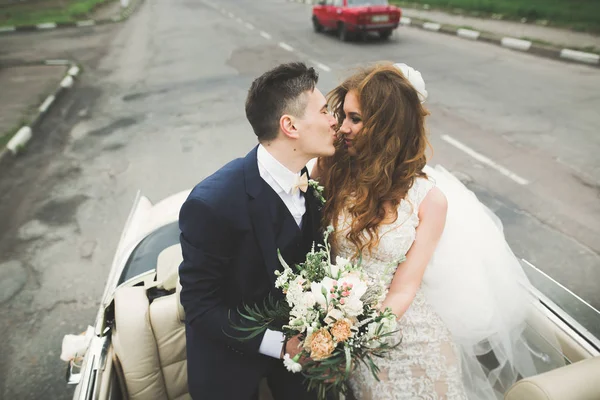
(350, 17)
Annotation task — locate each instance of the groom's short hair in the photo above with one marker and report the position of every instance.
(278, 92)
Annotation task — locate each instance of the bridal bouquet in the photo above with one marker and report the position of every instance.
(336, 310)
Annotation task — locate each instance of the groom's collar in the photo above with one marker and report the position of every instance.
(254, 183)
(270, 169)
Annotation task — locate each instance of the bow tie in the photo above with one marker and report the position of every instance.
(301, 183)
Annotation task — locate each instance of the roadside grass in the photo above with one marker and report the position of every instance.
(579, 15)
(33, 13)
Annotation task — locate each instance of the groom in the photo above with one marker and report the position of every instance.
(232, 225)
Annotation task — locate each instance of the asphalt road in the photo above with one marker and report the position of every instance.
(160, 106)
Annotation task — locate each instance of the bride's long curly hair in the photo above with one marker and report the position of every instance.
(390, 153)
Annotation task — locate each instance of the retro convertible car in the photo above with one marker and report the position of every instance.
(136, 346)
(356, 17)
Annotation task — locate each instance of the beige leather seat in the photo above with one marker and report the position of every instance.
(578, 381)
(149, 338)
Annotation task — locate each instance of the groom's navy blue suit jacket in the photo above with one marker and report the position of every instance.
(231, 227)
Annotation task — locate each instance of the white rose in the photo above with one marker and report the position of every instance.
(352, 306)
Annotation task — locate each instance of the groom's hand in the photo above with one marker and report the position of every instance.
(293, 346)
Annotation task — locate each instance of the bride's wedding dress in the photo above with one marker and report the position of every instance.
(471, 305)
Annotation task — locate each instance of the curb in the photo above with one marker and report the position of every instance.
(19, 140)
(124, 15)
(548, 51)
(527, 46)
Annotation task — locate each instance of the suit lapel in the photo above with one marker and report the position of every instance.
(266, 208)
(262, 211)
(313, 211)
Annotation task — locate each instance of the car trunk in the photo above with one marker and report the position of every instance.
(377, 14)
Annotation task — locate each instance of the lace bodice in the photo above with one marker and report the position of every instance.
(396, 238)
(425, 364)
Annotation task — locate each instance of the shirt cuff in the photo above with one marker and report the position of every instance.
(272, 344)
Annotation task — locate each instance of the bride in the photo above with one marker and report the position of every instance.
(460, 296)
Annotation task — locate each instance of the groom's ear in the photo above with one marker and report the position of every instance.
(287, 124)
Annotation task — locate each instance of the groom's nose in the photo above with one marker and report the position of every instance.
(332, 121)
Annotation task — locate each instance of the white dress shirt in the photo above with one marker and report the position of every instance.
(282, 181)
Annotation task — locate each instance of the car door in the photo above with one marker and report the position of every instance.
(335, 12)
(328, 13)
(320, 12)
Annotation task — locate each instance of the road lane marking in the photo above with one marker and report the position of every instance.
(286, 46)
(56, 62)
(485, 160)
(249, 26)
(322, 66)
(265, 35)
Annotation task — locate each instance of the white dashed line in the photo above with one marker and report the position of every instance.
(286, 46)
(230, 15)
(249, 26)
(485, 160)
(322, 66)
(239, 20)
(265, 35)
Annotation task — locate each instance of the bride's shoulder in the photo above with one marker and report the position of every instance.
(420, 189)
(434, 203)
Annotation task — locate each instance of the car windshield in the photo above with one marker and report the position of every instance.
(362, 3)
(145, 255)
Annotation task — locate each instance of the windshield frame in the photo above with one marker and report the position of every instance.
(144, 256)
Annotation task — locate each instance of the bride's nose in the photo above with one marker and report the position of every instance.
(344, 129)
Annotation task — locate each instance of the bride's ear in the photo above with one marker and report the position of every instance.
(287, 124)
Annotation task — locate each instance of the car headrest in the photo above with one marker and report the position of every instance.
(167, 267)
